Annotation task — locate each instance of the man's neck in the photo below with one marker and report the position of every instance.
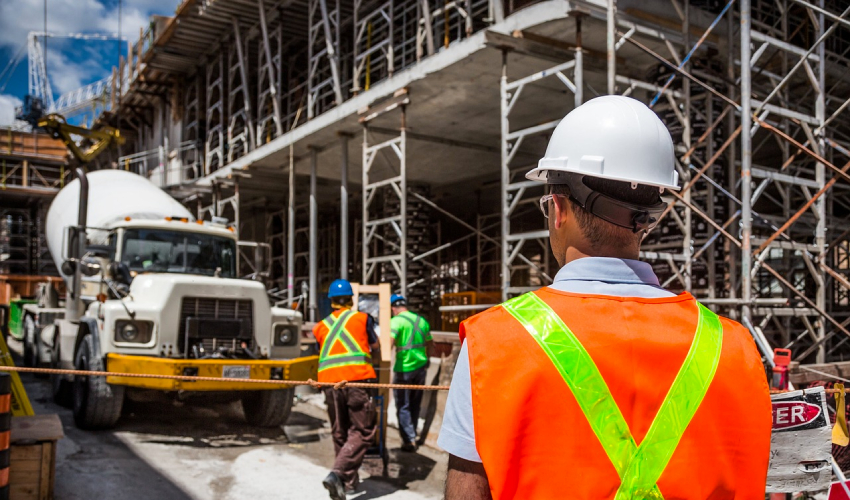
(574, 253)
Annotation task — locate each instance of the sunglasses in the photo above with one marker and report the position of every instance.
(544, 203)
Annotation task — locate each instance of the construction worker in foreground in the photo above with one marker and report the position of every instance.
(412, 340)
(348, 351)
(603, 385)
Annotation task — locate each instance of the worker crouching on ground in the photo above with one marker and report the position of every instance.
(412, 340)
(604, 385)
(348, 350)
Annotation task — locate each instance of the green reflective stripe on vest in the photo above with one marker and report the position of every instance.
(639, 467)
(414, 333)
(338, 324)
(354, 355)
(677, 409)
(343, 360)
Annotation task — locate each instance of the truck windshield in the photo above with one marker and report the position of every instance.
(160, 251)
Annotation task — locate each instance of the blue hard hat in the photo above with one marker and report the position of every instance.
(340, 288)
(396, 298)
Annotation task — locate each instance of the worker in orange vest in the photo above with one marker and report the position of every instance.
(348, 350)
(603, 385)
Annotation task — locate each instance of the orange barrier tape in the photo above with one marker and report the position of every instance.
(187, 378)
(5, 403)
(5, 439)
(4, 477)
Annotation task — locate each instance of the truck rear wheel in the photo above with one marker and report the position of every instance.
(267, 408)
(97, 405)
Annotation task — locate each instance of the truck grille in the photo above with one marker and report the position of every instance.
(211, 308)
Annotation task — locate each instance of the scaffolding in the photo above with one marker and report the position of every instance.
(752, 91)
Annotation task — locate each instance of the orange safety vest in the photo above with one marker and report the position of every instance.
(534, 440)
(344, 347)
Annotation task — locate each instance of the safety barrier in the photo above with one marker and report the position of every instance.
(189, 378)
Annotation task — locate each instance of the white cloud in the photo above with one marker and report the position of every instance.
(19, 17)
(8, 103)
(72, 72)
(67, 66)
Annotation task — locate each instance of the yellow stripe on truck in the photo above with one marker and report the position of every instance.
(293, 369)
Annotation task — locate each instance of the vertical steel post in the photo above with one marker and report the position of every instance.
(579, 68)
(746, 162)
(243, 74)
(365, 207)
(688, 236)
(272, 86)
(731, 157)
(820, 178)
(403, 173)
(505, 178)
(343, 207)
(331, 49)
(612, 49)
(314, 229)
(290, 230)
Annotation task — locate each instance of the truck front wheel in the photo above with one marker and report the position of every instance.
(97, 405)
(267, 408)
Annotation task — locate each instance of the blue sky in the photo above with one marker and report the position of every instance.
(70, 63)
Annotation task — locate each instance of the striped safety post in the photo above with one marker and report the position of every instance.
(5, 432)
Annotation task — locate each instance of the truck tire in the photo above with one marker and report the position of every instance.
(60, 386)
(267, 408)
(30, 346)
(97, 405)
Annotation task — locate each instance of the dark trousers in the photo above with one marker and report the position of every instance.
(408, 402)
(353, 426)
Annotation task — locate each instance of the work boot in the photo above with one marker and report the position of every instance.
(333, 484)
(410, 447)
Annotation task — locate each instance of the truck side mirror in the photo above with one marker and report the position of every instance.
(120, 273)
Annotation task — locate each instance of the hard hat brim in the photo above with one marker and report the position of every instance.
(540, 174)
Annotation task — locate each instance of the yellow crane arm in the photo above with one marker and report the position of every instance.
(101, 138)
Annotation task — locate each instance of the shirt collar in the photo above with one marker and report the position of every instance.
(608, 270)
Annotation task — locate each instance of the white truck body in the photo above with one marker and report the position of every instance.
(160, 285)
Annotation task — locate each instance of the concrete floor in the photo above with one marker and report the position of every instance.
(181, 451)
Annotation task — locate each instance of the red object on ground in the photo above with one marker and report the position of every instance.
(781, 360)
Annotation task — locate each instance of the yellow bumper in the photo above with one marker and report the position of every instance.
(293, 369)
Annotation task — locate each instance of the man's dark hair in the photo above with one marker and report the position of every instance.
(601, 233)
(343, 300)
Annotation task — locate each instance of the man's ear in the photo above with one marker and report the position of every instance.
(562, 211)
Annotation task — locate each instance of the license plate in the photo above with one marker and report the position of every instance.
(236, 372)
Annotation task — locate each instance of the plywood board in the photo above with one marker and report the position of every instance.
(36, 429)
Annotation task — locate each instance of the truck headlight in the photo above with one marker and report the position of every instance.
(133, 332)
(285, 335)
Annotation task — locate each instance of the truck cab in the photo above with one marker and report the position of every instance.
(162, 296)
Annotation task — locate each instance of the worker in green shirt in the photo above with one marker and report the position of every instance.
(412, 340)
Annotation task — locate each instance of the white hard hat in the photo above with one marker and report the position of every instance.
(611, 137)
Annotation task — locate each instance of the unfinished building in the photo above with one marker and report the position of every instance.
(386, 141)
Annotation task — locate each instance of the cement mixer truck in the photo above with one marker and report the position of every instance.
(151, 290)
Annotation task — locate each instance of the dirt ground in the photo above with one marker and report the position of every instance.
(201, 450)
